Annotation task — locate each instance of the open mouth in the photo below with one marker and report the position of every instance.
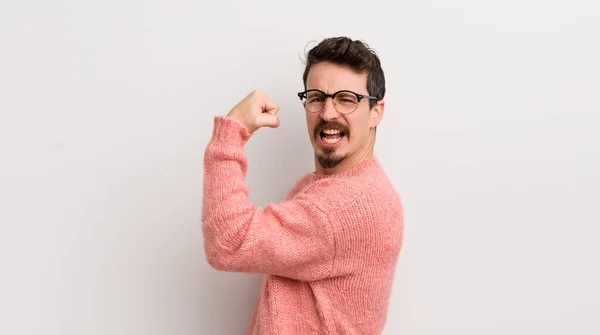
(331, 136)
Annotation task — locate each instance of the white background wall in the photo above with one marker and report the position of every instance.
(490, 136)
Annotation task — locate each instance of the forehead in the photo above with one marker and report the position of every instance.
(330, 78)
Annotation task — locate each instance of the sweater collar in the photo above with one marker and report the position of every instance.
(367, 164)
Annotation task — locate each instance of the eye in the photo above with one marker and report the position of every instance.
(346, 99)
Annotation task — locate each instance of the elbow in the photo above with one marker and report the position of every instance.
(216, 260)
(218, 253)
(214, 253)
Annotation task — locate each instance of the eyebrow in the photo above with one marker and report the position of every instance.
(333, 91)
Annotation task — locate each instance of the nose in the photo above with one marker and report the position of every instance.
(329, 112)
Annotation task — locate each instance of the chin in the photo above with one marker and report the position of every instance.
(330, 161)
(329, 157)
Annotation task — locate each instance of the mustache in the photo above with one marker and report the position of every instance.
(334, 124)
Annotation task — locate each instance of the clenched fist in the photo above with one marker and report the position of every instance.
(256, 111)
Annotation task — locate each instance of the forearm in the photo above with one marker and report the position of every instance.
(226, 207)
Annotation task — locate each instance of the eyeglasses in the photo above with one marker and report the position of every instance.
(344, 101)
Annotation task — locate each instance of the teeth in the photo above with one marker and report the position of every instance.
(331, 140)
(331, 131)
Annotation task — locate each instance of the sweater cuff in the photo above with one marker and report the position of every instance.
(229, 131)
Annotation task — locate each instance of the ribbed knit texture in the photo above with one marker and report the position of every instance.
(328, 251)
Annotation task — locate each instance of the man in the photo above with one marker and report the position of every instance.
(329, 250)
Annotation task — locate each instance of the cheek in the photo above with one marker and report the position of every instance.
(310, 119)
(359, 127)
(311, 122)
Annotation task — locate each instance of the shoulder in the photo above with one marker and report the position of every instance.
(365, 213)
(366, 193)
(299, 186)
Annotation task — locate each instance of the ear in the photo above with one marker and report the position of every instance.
(376, 114)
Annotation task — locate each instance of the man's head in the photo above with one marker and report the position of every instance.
(342, 127)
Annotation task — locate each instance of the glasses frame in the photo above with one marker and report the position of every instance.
(359, 97)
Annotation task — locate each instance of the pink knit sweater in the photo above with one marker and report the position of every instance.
(328, 251)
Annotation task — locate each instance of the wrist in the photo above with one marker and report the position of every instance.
(231, 130)
(243, 122)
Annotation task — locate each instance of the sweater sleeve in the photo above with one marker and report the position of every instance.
(293, 239)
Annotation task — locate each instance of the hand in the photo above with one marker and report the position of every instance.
(256, 111)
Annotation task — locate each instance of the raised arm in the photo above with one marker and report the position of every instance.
(292, 239)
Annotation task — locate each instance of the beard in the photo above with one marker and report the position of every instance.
(328, 158)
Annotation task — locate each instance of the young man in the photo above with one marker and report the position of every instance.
(329, 250)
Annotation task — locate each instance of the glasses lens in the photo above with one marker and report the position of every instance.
(345, 102)
(314, 101)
